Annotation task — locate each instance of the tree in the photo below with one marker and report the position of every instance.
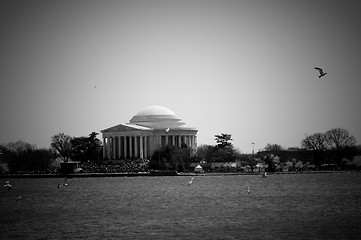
(170, 158)
(86, 148)
(79, 148)
(316, 142)
(223, 151)
(13, 154)
(299, 165)
(94, 147)
(179, 158)
(19, 146)
(289, 165)
(61, 146)
(276, 162)
(42, 159)
(339, 138)
(223, 140)
(356, 162)
(251, 161)
(224, 155)
(269, 160)
(22, 156)
(205, 153)
(273, 147)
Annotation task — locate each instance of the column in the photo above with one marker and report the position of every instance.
(113, 147)
(109, 146)
(195, 145)
(120, 147)
(141, 147)
(192, 142)
(166, 140)
(125, 147)
(136, 146)
(152, 144)
(145, 147)
(104, 146)
(179, 141)
(130, 147)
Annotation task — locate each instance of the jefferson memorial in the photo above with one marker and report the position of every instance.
(150, 129)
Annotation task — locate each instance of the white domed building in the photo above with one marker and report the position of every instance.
(150, 129)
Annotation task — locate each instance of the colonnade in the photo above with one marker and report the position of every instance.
(142, 147)
(126, 147)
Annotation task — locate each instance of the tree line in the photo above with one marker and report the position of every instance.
(337, 141)
(22, 157)
(336, 147)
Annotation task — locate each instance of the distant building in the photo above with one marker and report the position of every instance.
(198, 169)
(150, 129)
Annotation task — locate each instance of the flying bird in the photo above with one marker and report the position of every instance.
(320, 71)
(7, 185)
(166, 130)
(191, 181)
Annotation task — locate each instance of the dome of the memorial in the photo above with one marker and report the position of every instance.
(155, 111)
(156, 117)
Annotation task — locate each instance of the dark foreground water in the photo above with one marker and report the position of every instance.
(305, 206)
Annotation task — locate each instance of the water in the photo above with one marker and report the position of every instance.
(305, 206)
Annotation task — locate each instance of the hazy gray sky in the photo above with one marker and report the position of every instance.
(240, 67)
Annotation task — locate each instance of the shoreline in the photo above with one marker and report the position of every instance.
(158, 174)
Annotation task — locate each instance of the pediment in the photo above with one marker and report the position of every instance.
(125, 127)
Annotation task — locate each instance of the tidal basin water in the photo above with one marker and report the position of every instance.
(290, 206)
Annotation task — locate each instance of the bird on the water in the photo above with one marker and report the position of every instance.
(64, 183)
(8, 185)
(320, 70)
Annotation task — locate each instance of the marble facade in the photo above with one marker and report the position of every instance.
(150, 129)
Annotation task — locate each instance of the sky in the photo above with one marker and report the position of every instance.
(244, 68)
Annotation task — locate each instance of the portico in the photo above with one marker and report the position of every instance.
(152, 128)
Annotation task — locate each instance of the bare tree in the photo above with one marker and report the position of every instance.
(273, 147)
(19, 146)
(339, 138)
(61, 146)
(316, 141)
